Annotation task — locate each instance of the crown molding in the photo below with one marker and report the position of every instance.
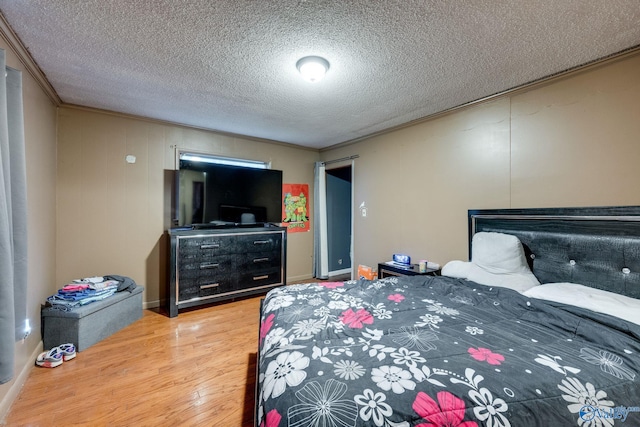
(544, 81)
(14, 42)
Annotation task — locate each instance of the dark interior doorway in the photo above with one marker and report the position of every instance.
(339, 219)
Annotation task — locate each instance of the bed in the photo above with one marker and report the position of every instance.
(448, 351)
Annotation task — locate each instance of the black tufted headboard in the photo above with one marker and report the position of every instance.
(597, 246)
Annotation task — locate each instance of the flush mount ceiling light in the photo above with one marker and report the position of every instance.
(312, 68)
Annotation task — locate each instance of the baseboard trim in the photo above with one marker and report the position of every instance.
(18, 382)
(305, 278)
(150, 304)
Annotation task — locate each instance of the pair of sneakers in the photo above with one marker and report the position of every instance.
(57, 355)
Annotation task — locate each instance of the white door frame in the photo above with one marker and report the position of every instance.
(324, 246)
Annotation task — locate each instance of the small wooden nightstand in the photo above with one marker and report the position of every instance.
(386, 270)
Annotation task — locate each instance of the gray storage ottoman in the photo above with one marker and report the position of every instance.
(86, 325)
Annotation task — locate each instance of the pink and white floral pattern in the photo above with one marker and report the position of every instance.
(434, 351)
(486, 355)
(448, 411)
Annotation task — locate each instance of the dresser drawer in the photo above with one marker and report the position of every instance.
(205, 286)
(199, 247)
(209, 267)
(258, 261)
(259, 242)
(259, 278)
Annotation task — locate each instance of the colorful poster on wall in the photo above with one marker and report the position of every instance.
(295, 207)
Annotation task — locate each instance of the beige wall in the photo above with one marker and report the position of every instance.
(573, 142)
(40, 152)
(112, 215)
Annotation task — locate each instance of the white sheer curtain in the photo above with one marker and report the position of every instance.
(13, 218)
(320, 248)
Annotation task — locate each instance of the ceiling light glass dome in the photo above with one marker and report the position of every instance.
(313, 68)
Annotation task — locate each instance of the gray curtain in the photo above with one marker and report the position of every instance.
(320, 251)
(13, 218)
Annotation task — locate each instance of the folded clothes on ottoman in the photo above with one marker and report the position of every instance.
(84, 291)
(91, 316)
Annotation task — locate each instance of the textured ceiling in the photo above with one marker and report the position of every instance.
(229, 65)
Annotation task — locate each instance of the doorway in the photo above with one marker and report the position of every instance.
(339, 207)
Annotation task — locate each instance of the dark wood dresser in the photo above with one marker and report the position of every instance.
(210, 265)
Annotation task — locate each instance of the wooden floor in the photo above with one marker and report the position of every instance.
(195, 369)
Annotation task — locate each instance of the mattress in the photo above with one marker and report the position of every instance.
(437, 351)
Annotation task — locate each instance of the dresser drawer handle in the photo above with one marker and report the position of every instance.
(266, 276)
(213, 285)
(257, 260)
(260, 242)
(211, 246)
(206, 266)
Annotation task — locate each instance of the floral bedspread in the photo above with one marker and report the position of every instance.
(436, 351)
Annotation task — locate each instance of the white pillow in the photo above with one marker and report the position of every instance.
(497, 259)
(457, 269)
(517, 281)
(597, 300)
(498, 253)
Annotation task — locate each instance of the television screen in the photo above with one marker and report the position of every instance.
(216, 194)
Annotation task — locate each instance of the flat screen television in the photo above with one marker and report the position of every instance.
(211, 194)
